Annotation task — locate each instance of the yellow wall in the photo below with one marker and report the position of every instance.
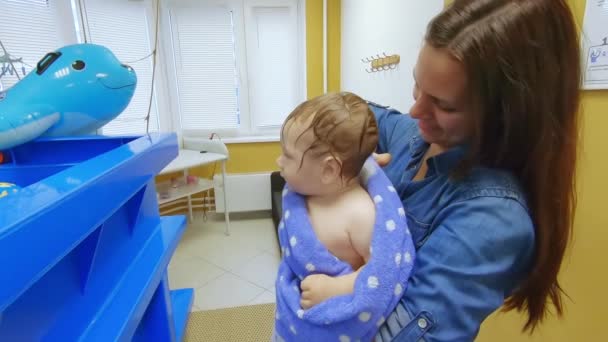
(584, 275)
(334, 46)
(314, 48)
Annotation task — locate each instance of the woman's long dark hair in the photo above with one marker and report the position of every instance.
(522, 60)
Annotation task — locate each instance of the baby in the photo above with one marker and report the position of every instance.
(325, 142)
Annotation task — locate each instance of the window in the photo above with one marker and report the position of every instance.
(205, 66)
(272, 51)
(238, 65)
(127, 28)
(29, 29)
(233, 67)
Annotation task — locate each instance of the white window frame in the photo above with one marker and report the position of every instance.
(165, 83)
(257, 129)
(247, 131)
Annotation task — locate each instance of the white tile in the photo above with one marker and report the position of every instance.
(272, 290)
(230, 257)
(226, 291)
(261, 270)
(259, 233)
(228, 252)
(203, 239)
(178, 258)
(265, 297)
(275, 250)
(192, 272)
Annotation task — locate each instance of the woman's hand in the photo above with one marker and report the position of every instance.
(317, 288)
(382, 159)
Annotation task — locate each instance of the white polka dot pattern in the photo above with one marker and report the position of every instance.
(304, 255)
(365, 316)
(372, 282)
(398, 290)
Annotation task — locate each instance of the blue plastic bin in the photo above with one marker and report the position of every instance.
(83, 250)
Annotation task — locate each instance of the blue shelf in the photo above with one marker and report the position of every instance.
(182, 304)
(83, 248)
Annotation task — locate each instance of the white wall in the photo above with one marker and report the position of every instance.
(390, 26)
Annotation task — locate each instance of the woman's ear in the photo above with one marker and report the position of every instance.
(332, 170)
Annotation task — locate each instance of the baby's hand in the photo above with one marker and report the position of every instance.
(315, 289)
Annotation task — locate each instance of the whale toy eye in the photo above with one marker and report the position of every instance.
(78, 65)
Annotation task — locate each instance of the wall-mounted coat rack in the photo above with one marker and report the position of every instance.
(384, 62)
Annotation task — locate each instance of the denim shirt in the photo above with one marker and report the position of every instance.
(474, 238)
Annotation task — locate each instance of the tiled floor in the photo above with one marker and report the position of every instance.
(227, 271)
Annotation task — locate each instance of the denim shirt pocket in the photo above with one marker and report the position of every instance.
(420, 230)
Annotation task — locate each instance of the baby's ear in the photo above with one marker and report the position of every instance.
(332, 170)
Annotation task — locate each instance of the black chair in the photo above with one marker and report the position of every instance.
(277, 183)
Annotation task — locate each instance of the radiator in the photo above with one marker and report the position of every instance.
(244, 192)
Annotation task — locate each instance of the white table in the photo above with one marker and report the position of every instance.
(185, 160)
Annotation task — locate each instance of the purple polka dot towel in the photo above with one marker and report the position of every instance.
(378, 287)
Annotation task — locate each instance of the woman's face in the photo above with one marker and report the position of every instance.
(442, 107)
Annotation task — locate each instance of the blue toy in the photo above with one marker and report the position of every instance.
(84, 252)
(72, 91)
(8, 189)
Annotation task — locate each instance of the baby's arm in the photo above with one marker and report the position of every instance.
(360, 233)
(319, 287)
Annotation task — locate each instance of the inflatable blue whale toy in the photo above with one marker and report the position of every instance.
(72, 91)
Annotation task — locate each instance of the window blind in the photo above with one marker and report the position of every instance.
(123, 27)
(272, 56)
(207, 80)
(28, 30)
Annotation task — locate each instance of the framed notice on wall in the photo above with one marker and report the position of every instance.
(595, 45)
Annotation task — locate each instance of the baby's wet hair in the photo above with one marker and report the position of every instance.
(343, 126)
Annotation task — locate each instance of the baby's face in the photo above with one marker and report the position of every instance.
(306, 179)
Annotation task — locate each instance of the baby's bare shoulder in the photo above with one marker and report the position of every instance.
(362, 211)
(360, 222)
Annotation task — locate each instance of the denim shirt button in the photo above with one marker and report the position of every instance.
(422, 323)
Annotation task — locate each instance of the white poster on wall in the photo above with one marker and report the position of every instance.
(595, 45)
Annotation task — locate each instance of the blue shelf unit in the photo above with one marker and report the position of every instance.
(83, 250)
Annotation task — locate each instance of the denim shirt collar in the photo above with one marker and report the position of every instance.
(442, 163)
